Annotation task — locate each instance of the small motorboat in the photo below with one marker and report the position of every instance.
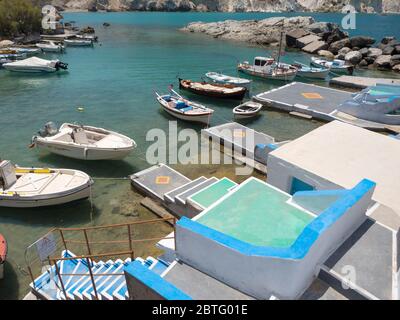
(268, 68)
(83, 142)
(3, 255)
(249, 109)
(224, 79)
(36, 65)
(179, 107)
(337, 66)
(311, 72)
(50, 46)
(214, 90)
(26, 51)
(38, 187)
(76, 42)
(87, 37)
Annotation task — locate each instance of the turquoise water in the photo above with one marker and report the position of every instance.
(114, 82)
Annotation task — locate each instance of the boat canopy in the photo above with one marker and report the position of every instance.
(35, 62)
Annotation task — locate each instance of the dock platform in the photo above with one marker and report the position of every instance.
(240, 142)
(158, 180)
(361, 82)
(315, 102)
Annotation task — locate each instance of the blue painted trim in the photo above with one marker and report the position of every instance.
(155, 282)
(273, 146)
(261, 145)
(303, 243)
(321, 193)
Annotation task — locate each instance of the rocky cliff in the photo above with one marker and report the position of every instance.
(385, 6)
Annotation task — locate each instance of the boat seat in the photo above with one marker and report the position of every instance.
(79, 136)
(7, 174)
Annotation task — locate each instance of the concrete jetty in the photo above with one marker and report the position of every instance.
(361, 82)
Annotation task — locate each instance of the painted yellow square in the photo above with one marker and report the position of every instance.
(312, 95)
(239, 133)
(162, 180)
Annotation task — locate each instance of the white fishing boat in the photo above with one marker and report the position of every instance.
(249, 109)
(311, 72)
(224, 79)
(35, 65)
(76, 42)
(83, 142)
(37, 187)
(337, 66)
(268, 68)
(50, 46)
(183, 109)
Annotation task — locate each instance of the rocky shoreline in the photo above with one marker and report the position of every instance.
(304, 33)
(366, 6)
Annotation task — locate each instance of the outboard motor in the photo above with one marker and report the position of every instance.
(50, 129)
(61, 65)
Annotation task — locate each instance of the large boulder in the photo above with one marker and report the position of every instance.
(334, 36)
(327, 54)
(374, 52)
(292, 36)
(354, 57)
(337, 45)
(321, 27)
(395, 60)
(342, 53)
(383, 62)
(315, 46)
(363, 63)
(396, 68)
(386, 40)
(388, 50)
(397, 49)
(364, 52)
(304, 41)
(361, 41)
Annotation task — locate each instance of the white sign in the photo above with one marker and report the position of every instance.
(46, 247)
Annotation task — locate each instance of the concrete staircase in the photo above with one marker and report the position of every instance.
(108, 278)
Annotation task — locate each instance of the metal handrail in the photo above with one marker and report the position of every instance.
(89, 256)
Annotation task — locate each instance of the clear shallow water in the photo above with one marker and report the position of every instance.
(115, 82)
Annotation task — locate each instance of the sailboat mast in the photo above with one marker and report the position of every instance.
(280, 48)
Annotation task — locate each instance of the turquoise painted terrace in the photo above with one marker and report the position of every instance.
(261, 270)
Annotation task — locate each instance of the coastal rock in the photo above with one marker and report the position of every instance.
(342, 53)
(361, 41)
(397, 49)
(327, 54)
(6, 43)
(321, 27)
(354, 57)
(395, 60)
(334, 36)
(337, 45)
(315, 46)
(388, 50)
(364, 52)
(304, 41)
(292, 36)
(386, 40)
(383, 62)
(266, 31)
(396, 68)
(363, 63)
(374, 52)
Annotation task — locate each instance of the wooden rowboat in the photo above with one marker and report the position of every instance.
(215, 90)
(247, 110)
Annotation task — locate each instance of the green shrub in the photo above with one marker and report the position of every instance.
(19, 17)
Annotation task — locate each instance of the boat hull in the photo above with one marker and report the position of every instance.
(268, 76)
(244, 84)
(30, 70)
(77, 152)
(48, 200)
(3, 255)
(202, 118)
(213, 94)
(313, 74)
